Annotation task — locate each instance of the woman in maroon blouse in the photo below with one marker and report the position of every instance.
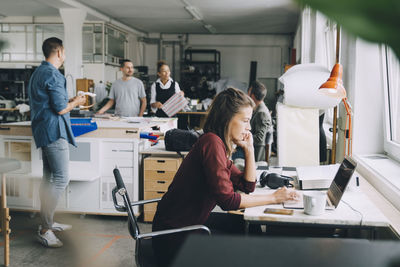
(207, 177)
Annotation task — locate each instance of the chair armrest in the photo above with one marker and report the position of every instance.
(176, 230)
(143, 202)
(122, 208)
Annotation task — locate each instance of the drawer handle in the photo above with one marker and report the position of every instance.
(160, 192)
(5, 128)
(161, 161)
(128, 131)
(160, 171)
(161, 182)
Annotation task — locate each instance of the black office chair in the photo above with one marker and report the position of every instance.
(144, 255)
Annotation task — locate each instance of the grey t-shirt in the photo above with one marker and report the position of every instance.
(127, 95)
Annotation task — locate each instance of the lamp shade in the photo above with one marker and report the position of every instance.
(301, 83)
(334, 85)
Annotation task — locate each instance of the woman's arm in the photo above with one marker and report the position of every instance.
(153, 103)
(279, 196)
(250, 165)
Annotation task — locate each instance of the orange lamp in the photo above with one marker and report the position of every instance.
(334, 85)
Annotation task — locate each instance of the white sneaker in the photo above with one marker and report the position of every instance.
(49, 239)
(58, 227)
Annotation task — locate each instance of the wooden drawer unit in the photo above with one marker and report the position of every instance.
(151, 195)
(158, 175)
(162, 164)
(148, 216)
(163, 175)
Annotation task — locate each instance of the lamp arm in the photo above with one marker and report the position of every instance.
(349, 137)
(347, 106)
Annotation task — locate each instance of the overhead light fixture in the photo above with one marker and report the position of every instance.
(210, 28)
(194, 12)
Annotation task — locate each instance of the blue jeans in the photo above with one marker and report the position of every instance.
(55, 179)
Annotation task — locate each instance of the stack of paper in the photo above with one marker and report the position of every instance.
(316, 177)
(174, 104)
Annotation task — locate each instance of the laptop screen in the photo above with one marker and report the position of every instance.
(341, 180)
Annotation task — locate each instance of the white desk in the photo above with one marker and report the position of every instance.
(342, 217)
(159, 149)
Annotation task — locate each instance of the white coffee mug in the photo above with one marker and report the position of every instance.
(314, 202)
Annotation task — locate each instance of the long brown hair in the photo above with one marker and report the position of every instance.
(224, 107)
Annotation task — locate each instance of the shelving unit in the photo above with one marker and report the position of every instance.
(198, 67)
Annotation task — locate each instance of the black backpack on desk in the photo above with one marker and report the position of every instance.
(180, 140)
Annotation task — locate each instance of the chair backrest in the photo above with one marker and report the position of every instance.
(121, 190)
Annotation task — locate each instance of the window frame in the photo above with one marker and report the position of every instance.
(391, 148)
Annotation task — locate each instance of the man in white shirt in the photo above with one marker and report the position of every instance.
(127, 93)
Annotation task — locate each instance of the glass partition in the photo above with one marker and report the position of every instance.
(101, 43)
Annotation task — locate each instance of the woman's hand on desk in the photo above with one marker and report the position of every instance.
(283, 194)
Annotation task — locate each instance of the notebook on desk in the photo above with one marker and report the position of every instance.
(336, 188)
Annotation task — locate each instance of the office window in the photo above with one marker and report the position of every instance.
(392, 98)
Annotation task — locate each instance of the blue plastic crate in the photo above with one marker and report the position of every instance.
(82, 125)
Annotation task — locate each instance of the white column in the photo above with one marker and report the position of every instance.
(73, 21)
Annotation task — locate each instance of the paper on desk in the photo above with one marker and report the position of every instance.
(174, 104)
(313, 177)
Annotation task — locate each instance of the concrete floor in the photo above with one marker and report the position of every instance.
(93, 241)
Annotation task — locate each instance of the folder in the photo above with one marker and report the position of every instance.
(174, 104)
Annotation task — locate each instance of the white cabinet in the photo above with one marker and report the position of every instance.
(91, 173)
(83, 196)
(91, 164)
(124, 155)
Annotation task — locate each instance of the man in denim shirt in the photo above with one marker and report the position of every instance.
(51, 129)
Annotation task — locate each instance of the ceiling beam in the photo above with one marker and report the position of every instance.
(89, 10)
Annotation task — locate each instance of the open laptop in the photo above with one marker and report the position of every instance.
(336, 188)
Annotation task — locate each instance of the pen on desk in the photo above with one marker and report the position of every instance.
(357, 181)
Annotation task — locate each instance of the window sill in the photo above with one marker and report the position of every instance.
(383, 175)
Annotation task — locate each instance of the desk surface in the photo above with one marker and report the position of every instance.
(193, 112)
(159, 149)
(115, 122)
(343, 215)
